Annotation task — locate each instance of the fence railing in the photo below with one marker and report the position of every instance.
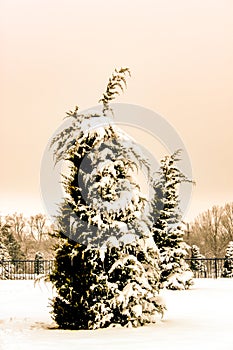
(30, 269)
(24, 269)
(211, 268)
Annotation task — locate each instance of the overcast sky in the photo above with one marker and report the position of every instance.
(56, 54)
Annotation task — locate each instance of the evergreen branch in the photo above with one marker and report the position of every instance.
(66, 139)
(116, 82)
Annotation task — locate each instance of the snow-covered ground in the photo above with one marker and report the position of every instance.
(200, 318)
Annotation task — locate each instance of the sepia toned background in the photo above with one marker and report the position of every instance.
(56, 54)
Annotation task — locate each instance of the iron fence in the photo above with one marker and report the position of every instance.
(24, 269)
(30, 269)
(210, 267)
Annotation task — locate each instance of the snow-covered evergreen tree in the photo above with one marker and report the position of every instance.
(168, 234)
(197, 264)
(228, 264)
(6, 267)
(106, 265)
(7, 238)
(39, 264)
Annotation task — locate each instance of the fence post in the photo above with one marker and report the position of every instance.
(216, 268)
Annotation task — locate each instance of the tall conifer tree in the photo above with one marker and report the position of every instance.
(167, 231)
(106, 265)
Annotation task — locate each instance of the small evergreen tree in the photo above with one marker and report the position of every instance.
(106, 264)
(228, 264)
(168, 234)
(6, 268)
(39, 265)
(9, 241)
(197, 264)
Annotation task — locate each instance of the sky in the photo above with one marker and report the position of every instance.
(56, 54)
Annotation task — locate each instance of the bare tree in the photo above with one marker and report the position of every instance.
(212, 231)
(38, 227)
(227, 220)
(18, 224)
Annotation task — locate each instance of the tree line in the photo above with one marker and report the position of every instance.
(23, 237)
(212, 231)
